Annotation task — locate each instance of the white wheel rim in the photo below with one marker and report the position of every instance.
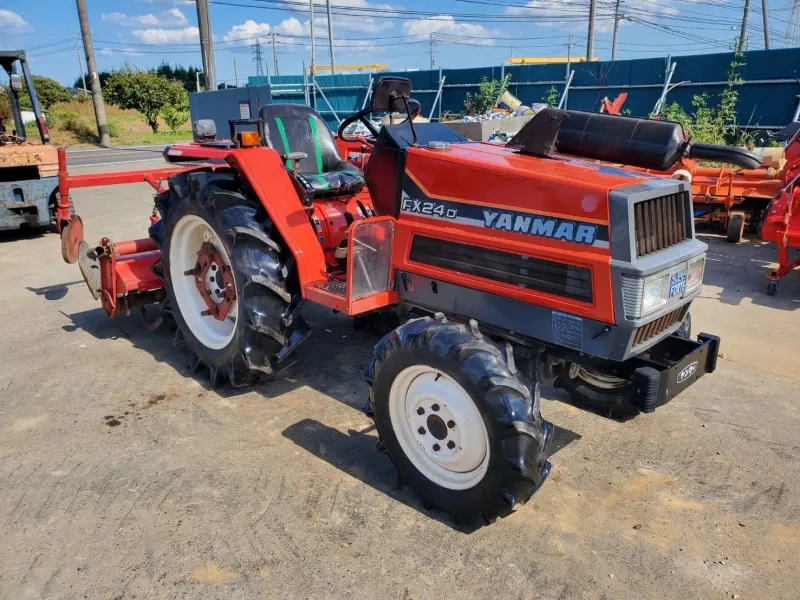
(187, 238)
(439, 427)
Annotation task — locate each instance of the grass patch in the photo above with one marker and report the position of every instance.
(73, 124)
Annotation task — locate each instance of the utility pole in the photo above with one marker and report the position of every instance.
(313, 55)
(206, 45)
(197, 81)
(235, 72)
(764, 15)
(743, 34)
(590, 39)
(569, 53)
(257, 58)
(569, 60)
(330, 39)
(80, 66)
(616, 32)
(433, 61)
(94, 80)
(274, 56)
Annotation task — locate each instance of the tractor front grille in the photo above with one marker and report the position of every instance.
(661, 222)
(645, 333)
(526, 272)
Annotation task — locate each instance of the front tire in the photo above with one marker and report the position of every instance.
(457, 419)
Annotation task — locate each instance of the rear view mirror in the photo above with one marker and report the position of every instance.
(389, 92)
(16, 82)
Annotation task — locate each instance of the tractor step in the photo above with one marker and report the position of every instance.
(336, 286)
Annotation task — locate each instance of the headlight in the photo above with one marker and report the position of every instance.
(642, 297)
(694, 275)
(656, 292)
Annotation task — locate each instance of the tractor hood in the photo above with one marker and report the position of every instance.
(494, 176)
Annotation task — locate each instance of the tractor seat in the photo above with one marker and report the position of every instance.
(298, 128)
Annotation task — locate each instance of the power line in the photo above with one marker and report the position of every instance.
(353, 12)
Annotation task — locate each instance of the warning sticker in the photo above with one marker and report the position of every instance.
(567, 330)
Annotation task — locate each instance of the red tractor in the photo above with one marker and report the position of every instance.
(504, 267)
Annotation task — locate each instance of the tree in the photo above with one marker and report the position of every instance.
(489, 91)
(175, 115)
(552, 97)
(714, 124)
(49, 91)
(144, 91)
(187, 76)
(101, 75)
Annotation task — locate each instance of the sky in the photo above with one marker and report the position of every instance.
(399, 33)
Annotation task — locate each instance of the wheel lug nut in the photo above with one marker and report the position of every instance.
(436, 447)
(421, 430)
(451, 424)
(420, 411)
(435, 407)
(451, 444)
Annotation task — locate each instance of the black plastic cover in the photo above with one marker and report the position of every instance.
(539, 135)
(644, 143)
(204, 130)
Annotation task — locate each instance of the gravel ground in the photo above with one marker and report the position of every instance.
(124, 476)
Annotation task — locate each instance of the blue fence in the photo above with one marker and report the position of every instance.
(767, 96)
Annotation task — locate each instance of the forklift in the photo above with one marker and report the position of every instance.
(28, 167)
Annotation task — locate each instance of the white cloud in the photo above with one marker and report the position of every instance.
(248, 31)
(160, 36)
(11, 22)
(574, 15)
(548, 8)
(169, 18)
(181, 2)
(293, 27)
(125, 51)
(356, 21)
(446, 24)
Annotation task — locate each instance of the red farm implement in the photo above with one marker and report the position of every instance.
(781, 223)
(122, 278)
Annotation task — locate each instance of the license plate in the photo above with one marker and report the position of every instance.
(677, 283)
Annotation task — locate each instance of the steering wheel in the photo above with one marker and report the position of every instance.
(414, 107)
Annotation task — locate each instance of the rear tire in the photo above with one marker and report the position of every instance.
(262, 327)
(479, 445)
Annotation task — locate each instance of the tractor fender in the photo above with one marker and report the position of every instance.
(269, 181)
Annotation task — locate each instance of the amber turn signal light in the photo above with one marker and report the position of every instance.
(248, 139)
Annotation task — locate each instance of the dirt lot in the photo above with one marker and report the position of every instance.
(123, 476)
